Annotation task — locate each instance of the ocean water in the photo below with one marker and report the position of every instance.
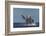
(20, 25)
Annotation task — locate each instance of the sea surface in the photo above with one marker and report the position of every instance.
(20, 25)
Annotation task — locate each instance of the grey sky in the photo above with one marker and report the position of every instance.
(17, 12)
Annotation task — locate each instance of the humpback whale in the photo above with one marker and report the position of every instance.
(28, 19)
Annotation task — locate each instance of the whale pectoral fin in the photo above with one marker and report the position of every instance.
(23, 16)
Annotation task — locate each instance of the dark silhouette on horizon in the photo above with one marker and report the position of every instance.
(28, 19)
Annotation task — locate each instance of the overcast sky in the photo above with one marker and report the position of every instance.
(17, 12)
